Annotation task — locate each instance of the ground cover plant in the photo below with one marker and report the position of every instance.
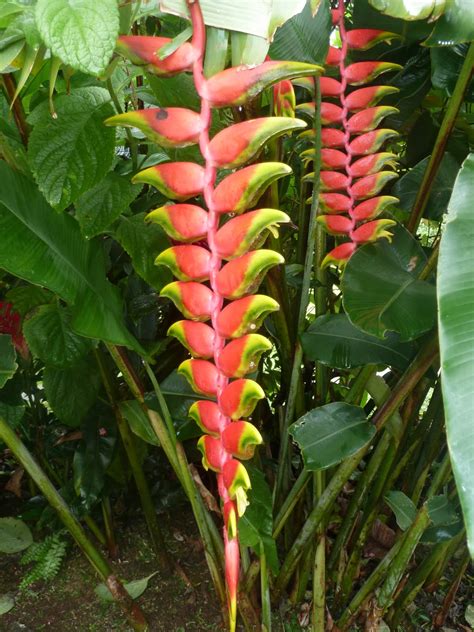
(237, 288)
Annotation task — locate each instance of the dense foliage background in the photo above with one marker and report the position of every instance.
(361, 500)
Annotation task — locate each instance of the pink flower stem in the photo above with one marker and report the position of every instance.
(199, 42)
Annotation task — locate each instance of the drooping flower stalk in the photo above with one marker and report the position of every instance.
(353, 170)
(217, 280)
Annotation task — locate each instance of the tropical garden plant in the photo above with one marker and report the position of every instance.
(178, 181)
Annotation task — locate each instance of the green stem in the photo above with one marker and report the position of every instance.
(118, 592)
(319, 568)
(379, 392)
(417, 579)
(109, 528)
(368, 587)
(265, 593)
(17, 107)
(440, 476)
(290, 502)
(440, 617)
(400, 561)
(94, 528)
(454, 105)
(177, 458)
(406, 384)
(284, 465)
(129, 443)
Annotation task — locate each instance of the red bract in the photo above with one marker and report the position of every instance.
(10, 323)
(354, 171)
(230, 266)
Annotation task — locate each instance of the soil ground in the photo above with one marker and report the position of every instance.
(69, 603)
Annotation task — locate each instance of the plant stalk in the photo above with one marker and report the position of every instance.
(406, 384)
(16, 106)
(454, 105)
(284, 465)
(99, 563)
(128, 440)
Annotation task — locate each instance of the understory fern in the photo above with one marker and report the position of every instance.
(48, 555)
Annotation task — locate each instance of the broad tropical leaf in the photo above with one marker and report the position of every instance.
(72, 391)
(456, 336)
(333, 340)
(331, 433)
(59, 259)
(50, 337)
(256, 525)
(382, 291)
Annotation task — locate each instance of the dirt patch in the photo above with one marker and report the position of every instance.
(69, 602)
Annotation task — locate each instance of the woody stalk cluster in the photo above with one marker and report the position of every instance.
(218, 263)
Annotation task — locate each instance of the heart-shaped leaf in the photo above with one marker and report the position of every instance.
(331, 433)
(382, 291)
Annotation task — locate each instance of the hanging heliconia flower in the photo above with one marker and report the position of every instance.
(218, 265)
(353, 169)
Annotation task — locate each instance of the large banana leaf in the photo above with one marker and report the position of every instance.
(47, 249)
(456, 336)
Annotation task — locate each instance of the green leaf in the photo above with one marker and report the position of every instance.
(304, 38)
(12, 149)
(168, 49)
(331, 433)
(91, 461)
(144, 242)
(365, 16)
(446, 64)
(409, 10)
(15, 535)
(8, 364)
(442, 510)
(179, 396)
(445, 522)
(50, 337)
(469, 614)
(103, 204)
(257, 17)
(71, 391)
(382, 292)
(71, 153)
(177, 91)
(407, 187)
(24, 298)
(58, 258)
(256, 525)
(455, 26)
(134, 588)
(6, 604)
(456, 336)
(138, 421)
(82, 33)
(9, 53)
(334, 341)
(12, 415)
(403, 508)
